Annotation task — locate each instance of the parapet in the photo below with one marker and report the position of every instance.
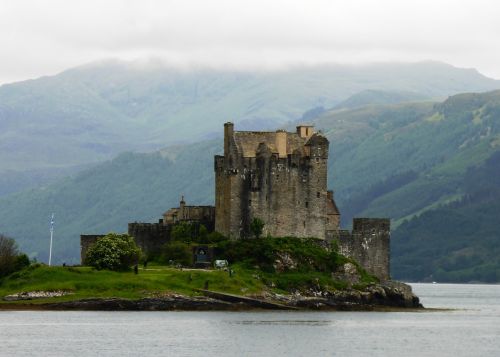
(368, 244)
(371, 224)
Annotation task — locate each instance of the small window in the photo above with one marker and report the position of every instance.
(307, 204)
(249, 202)
(318, 194)
(317, 160)
(304, 223)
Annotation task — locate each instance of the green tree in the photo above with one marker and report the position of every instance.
(202, 235)
(114, 252)
(257, 227)
(182, 231)
(11, 259)
(177, 252)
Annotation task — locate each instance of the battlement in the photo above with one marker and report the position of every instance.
(368, 244)
(371, 224)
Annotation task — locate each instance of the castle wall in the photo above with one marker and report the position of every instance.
(368, 244)
(150, 237)
(288, 192)
(86, 240)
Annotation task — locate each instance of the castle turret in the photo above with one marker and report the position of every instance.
(228, 135)
(281, 143)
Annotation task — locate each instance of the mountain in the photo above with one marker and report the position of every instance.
(379, 97)
(91, 113)
(432, 168)
(131, 187)
(413, 162)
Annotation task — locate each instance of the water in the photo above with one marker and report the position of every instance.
(473, 329)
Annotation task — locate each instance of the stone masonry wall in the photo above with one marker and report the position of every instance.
(288, 193)
(368, 244)
(150, 237)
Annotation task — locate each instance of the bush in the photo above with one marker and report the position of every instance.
(257, 226)
(11, 259)
(183, 232)
(114, 252)
(195, 233)
(177, 252)
(22, 261)
(308, 253)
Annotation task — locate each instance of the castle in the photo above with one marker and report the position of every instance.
(280, 178)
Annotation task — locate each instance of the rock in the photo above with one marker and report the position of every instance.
(400, 294)
(30, 295)
(347, 272)
(284, 262)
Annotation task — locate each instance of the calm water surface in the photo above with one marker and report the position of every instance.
(473, 329)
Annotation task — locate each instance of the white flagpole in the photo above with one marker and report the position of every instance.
(51, 235)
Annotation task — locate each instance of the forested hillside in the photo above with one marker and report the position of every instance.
(419, 163)
(91, 113)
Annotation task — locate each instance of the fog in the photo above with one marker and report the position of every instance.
(45, 37)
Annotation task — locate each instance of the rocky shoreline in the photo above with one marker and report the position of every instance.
(388, 295)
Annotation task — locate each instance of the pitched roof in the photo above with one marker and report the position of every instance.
(248, 142)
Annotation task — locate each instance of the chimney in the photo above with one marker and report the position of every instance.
(305, 131)
(182, 206)
(228, 134)
(281, 136)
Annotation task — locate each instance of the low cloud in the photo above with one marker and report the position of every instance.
(45, 37)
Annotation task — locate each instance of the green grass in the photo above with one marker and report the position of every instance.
(253, 263)
(84, 282)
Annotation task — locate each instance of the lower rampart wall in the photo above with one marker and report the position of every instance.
(368, 244)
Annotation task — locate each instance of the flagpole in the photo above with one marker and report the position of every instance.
(51, 236)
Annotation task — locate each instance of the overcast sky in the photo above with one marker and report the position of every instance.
(45, 37)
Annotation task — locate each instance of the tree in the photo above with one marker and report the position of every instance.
(11, 259)
(114, 252)
(257, 226)
(177, 252)
(182, 231)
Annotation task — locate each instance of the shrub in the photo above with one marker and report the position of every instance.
(257, 226)
(22, 261)
(11, 259)
(216, 237)
(177, 252)
(114, 252)
(183, 232)
(308, 253)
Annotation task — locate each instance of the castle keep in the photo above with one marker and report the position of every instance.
(278, 177)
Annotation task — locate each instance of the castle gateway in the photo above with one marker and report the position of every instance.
(278, 177)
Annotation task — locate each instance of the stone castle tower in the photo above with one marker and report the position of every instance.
(278, 177)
